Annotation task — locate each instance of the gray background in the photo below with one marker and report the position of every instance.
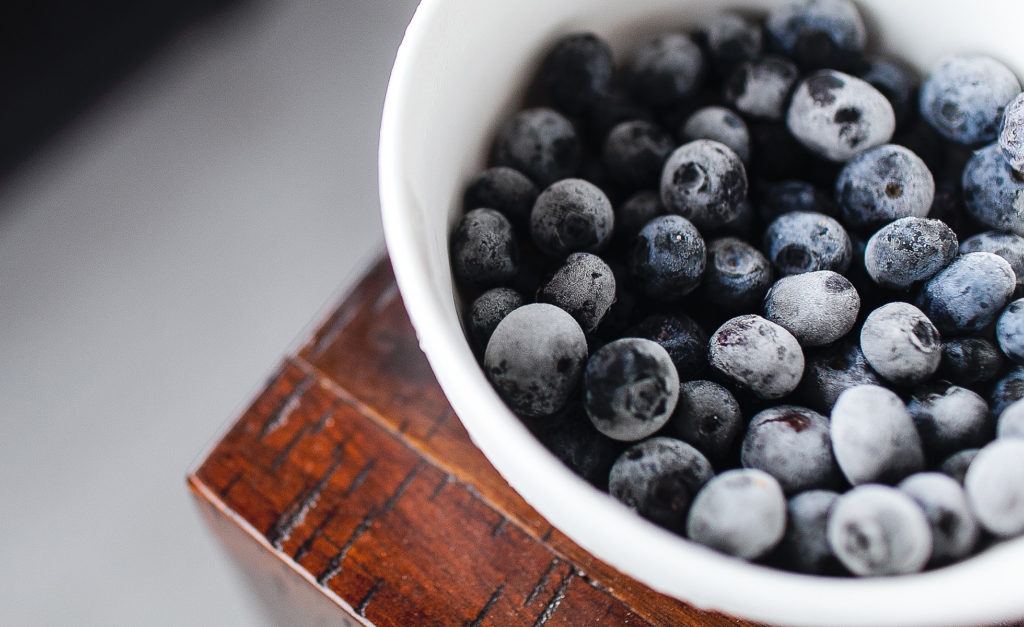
(156, 259)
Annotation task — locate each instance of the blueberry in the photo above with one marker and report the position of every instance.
(630, 388)
(571, 438)
(721, 125)
(569, 216)
(901, 343)
(955, 466)
(908, 251)
(802, 241)
(635, 212)
(684, 339)
(708, 417)
(540, 143)
(489, 309)
(995, 487)
(665, 70)
(967, 361)
(831, 371)
(757, 355)
(955, 532)
(737, 274)
(1010, 331)
(805, 546)
(704, 181)
(584, 287)
(897, 81)
(1011, 134)
(877, 530)
(791, 444)
(873, 436)
(668, 258)
(740, 513)
(534, 359)
(993, 192)
(836, 115)
(964, 96)
(949, 418)
(761, 88)
(731, 39)
(969, 293)
(484, 249)
(634, 152)
(576, 71)
(504, 189)
(883, 184)
(1007, 390)
(787, 196)
(1011, 421)
(818, 308)
(659, 478)
(818, 33)
(1007, 245)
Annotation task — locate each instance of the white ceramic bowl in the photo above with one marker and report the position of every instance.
(461, 69)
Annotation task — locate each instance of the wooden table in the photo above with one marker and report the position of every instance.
(349, 493)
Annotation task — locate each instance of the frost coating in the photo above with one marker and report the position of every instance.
(761, 88)
(877, 530)
(993, 194)
(708, 417)
(584, 287)
(757, 355)
(908, 251)
(1007, 245)
(665, 70)
(1010, 331)
(995, 487)
(884, 184)
(571, 215)
(969, 293)
(818, 308)
(1011, 134)
(949, 418)
(901, 343)
(803, 241)
(873, 436)
(740, 513)
(791, 444)
(484, 248)
(489, 309)
(964, 96)
(540, 143)
(704, 181)
(721, 125)
(668, 258)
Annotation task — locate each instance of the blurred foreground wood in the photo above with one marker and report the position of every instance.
(349, 493)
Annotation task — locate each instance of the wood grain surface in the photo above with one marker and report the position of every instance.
(351, 471)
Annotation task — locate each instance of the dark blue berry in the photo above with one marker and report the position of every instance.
(737, 275)
(949, 418)
(1007, 390)
(489, 309)
(638, 210)
(484, 249)
(504, 189)
(705, 182)
(584, 287)
(995, 487)
(787, 196)
(1011, 134)
(802, 241)
(831, 371)
(791, 444)
(897, 81)
(818, 308)
(668, 258)
(634, 153)
(684, 339)
(901, 344)
(571, 215)
(954, 530)
(1010, 331)
(540, 143)
(873, 436)
(731, 39)
(819, 33)
(665, 70)
(969, 293)
(805, 546)
(876, 530)
(757, 355)
(971, 360)
(740, 513)
(708, 417)
(908, 251)
(761, 88)
(964, 96)
(1007, 245)
(993, 192)
(883, 184)
(577, 70)
(721, 125)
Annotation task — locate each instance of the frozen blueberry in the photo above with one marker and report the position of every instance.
(964, 96)
(659, 478)
(1011, 421)
(534, 359)
(1007, 245)
(489, 309)
(708, 417)
(584, 286)
(818, 308)
(995, 487)
(571, 437)
(802, 241)
(873, 436)
(740, 513)
(665, 70)
(969, 293)
(805, 546)
(883, 184)
(901, 343)
(836, 115)
(908, 251)
(831, 371)
(761, 88)
(1010, 331)
(668, 258)
(993, 192)
(897, 81)
(967, 361)
(630, 388)
(791, 444)
(1011, 134)
(684, 339)
(737, 275)
(569, 216)
(634, 152)
(876, 530)
(949, 418)
(540, 143)
(731, 39)
(757, 355)
(956, 465)
(576, 71)
(955, 532)
(1007, 390)
(484, 249)
(635, 212)
(787, 196)
(504, 189)
(818, 33)
(721, 125)
(704, 181)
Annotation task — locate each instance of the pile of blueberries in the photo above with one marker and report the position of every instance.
(759, 285)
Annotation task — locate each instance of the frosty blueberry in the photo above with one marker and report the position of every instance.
(805, 546)
(836, 115)
(534, 359)
(731, 39)
(791, 444)
(630, 388)
(638, 210)
(877, 530)
(684, 340)
(740, 513)
(708, 417)
(969, 293)
(786, 196)
(1010, 331)
(993, 192)
(1011, 421)
(737, 274)
(489, 309)
(949, 418)
(577, 70)
(484, 248)
(955, 466)
(761, 88)
(721, 125)
(818, 33)
(540, 143)
(966, 361)
(995, 487)
(668, 258)
(1007, 245)
(569, 216)
(964, 96)
(704, 181)
(634, 152)
(818, 308)
(901, 343)
(659, 478)
(1007, 390)
(908, 251)
(831, 371)
(504, 189)
(805, 242)
(1011, 134)
(883, 184)
(665, 70)
(954, 530)
(873, 436)
(584, 286)
(757, 355)
(897, 82)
